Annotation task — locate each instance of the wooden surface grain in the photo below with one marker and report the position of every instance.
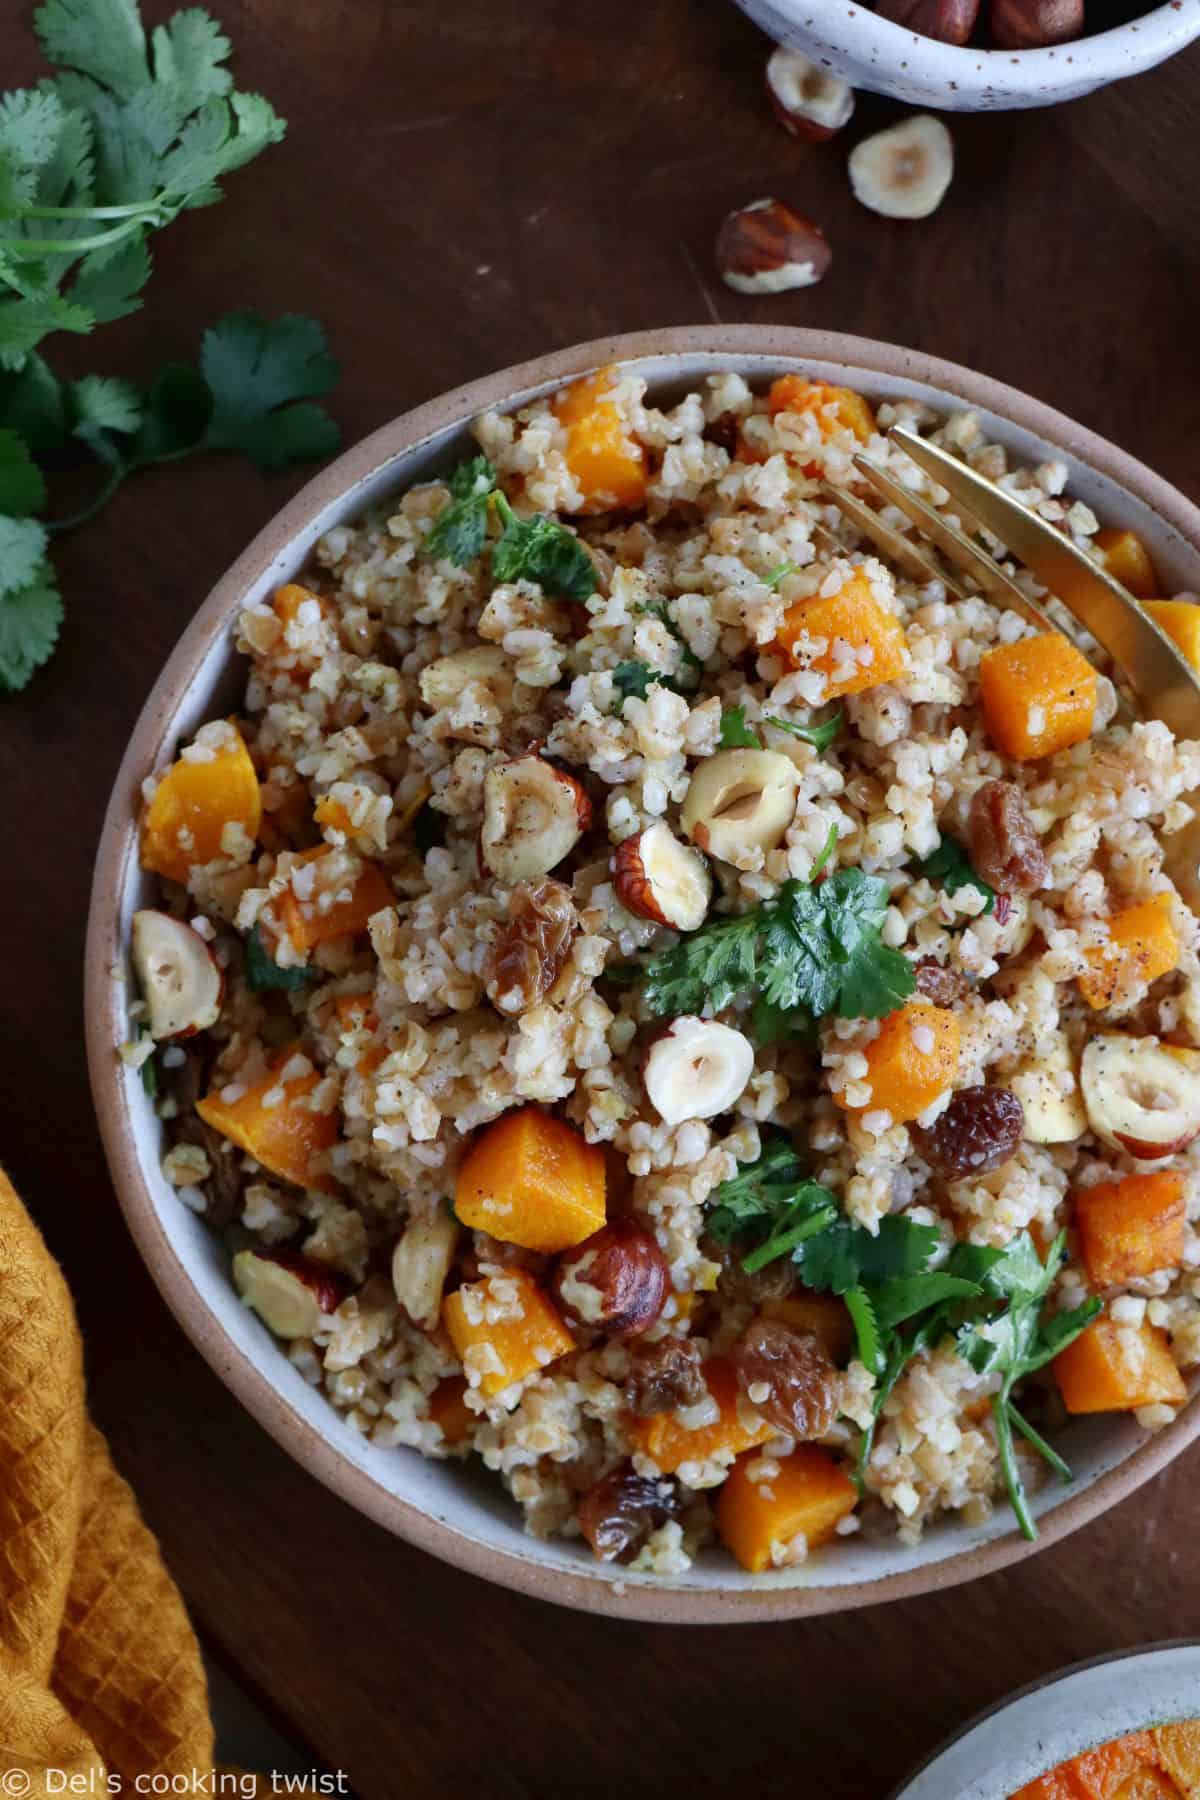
(462, 186)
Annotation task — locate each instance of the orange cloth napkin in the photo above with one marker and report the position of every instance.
(100, 1672)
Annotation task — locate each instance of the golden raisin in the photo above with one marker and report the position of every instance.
(788, 1377)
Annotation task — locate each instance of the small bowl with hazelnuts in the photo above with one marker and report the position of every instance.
(979, 55)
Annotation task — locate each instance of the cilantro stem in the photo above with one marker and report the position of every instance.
(134, 209)
(781, 1242)
(1061, 1468)
(100, 499)
(28, 247)
(1002, 1419)
(827, 852)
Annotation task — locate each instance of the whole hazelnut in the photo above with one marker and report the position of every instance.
(1034, 24)
(949, 21)
(767, 247)
(616, 1281)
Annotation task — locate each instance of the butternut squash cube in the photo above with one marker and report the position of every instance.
(862, 645)
(669, 1443)
(1127, 560)
(913, 1059)
(1178, 1749)
(205, 807)
(609, 466)
(1142, 945)
(1132, 1227)
(532, 1179)
(504, 1328)
(1180, 619)
(328, 910)
(831, 406)
(1117, 1368)
(1148, 1783)
(449, 1410)
(809, 1494)
(1102, 1773)
(1038, 696)
(273, 1121)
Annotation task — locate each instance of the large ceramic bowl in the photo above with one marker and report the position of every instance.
(870, 52)
(1059, 1717)
(437, 1505)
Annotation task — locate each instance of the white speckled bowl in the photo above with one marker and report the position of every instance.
(870, 52)
(458, 1513)
(1057, 1718)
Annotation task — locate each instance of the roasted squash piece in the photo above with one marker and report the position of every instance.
(1180, 619)
(1142, 945)
(532, 1179)
(1038, 695)
(1127, 560)
(669, 1443)
(449, 1410)
(504, 1328)
(609, 466)
(1132, 1227)
(207, 806)
(321, 911)
(847, 636)
(760, 1513)
(1178, 1749)
(273, 1121)
(831, 406)
(1117, 1368)
(912, 1060)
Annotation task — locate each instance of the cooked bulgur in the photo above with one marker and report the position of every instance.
(481, 771)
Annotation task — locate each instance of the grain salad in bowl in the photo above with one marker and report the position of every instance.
(660, 1005)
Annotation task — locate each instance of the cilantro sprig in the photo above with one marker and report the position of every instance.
(950, 866)
(535, 549)
(991, 1303)
(128, 133)
(813, 950)
(263, 973)
(736, 734)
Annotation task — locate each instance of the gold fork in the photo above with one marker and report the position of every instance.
(1162, 681)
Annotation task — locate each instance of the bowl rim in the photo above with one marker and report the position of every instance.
(1075, 1739)
(104, 1023)
(852, 27)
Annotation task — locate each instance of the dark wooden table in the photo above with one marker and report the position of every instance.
(462, 186)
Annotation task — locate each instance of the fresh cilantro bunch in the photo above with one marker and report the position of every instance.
(124, 137)
(737, 735)
(990, 1302)
(950, 866)
(813, 950)
(536, 549)
(126, 134)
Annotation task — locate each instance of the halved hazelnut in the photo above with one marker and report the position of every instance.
(740, 800)
(949, 21)
(289, 1292)
(1141, 1096)
(533, 815)
(809, 101)
(1048, 1089)
(904, 172)
(444, 679)
(1034, 24)
(659, 878)
(616, 1281)
(421, 1262)
(181, 980)
(768, 247)
(696, 1069)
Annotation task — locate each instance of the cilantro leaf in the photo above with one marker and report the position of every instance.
(25, 321)
(690, 665)
(707, 968)
(22, 489)
(263, 973)
(109, 280)
(100, 38)
(848, 1255)
(544, 551)
(175, 415)
(950, 867)
(633, 680)
(104, 404)
(188, 52)
(735, 733)
(779, 573)
(30, 615)
(32, 403)
(255, 367)
(22, 551)
(460, 531)
(758, 1188)
(823, 949)
(819, 736)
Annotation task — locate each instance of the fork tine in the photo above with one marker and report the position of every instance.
(894, 545)
(1167, 686)
(957, 546)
